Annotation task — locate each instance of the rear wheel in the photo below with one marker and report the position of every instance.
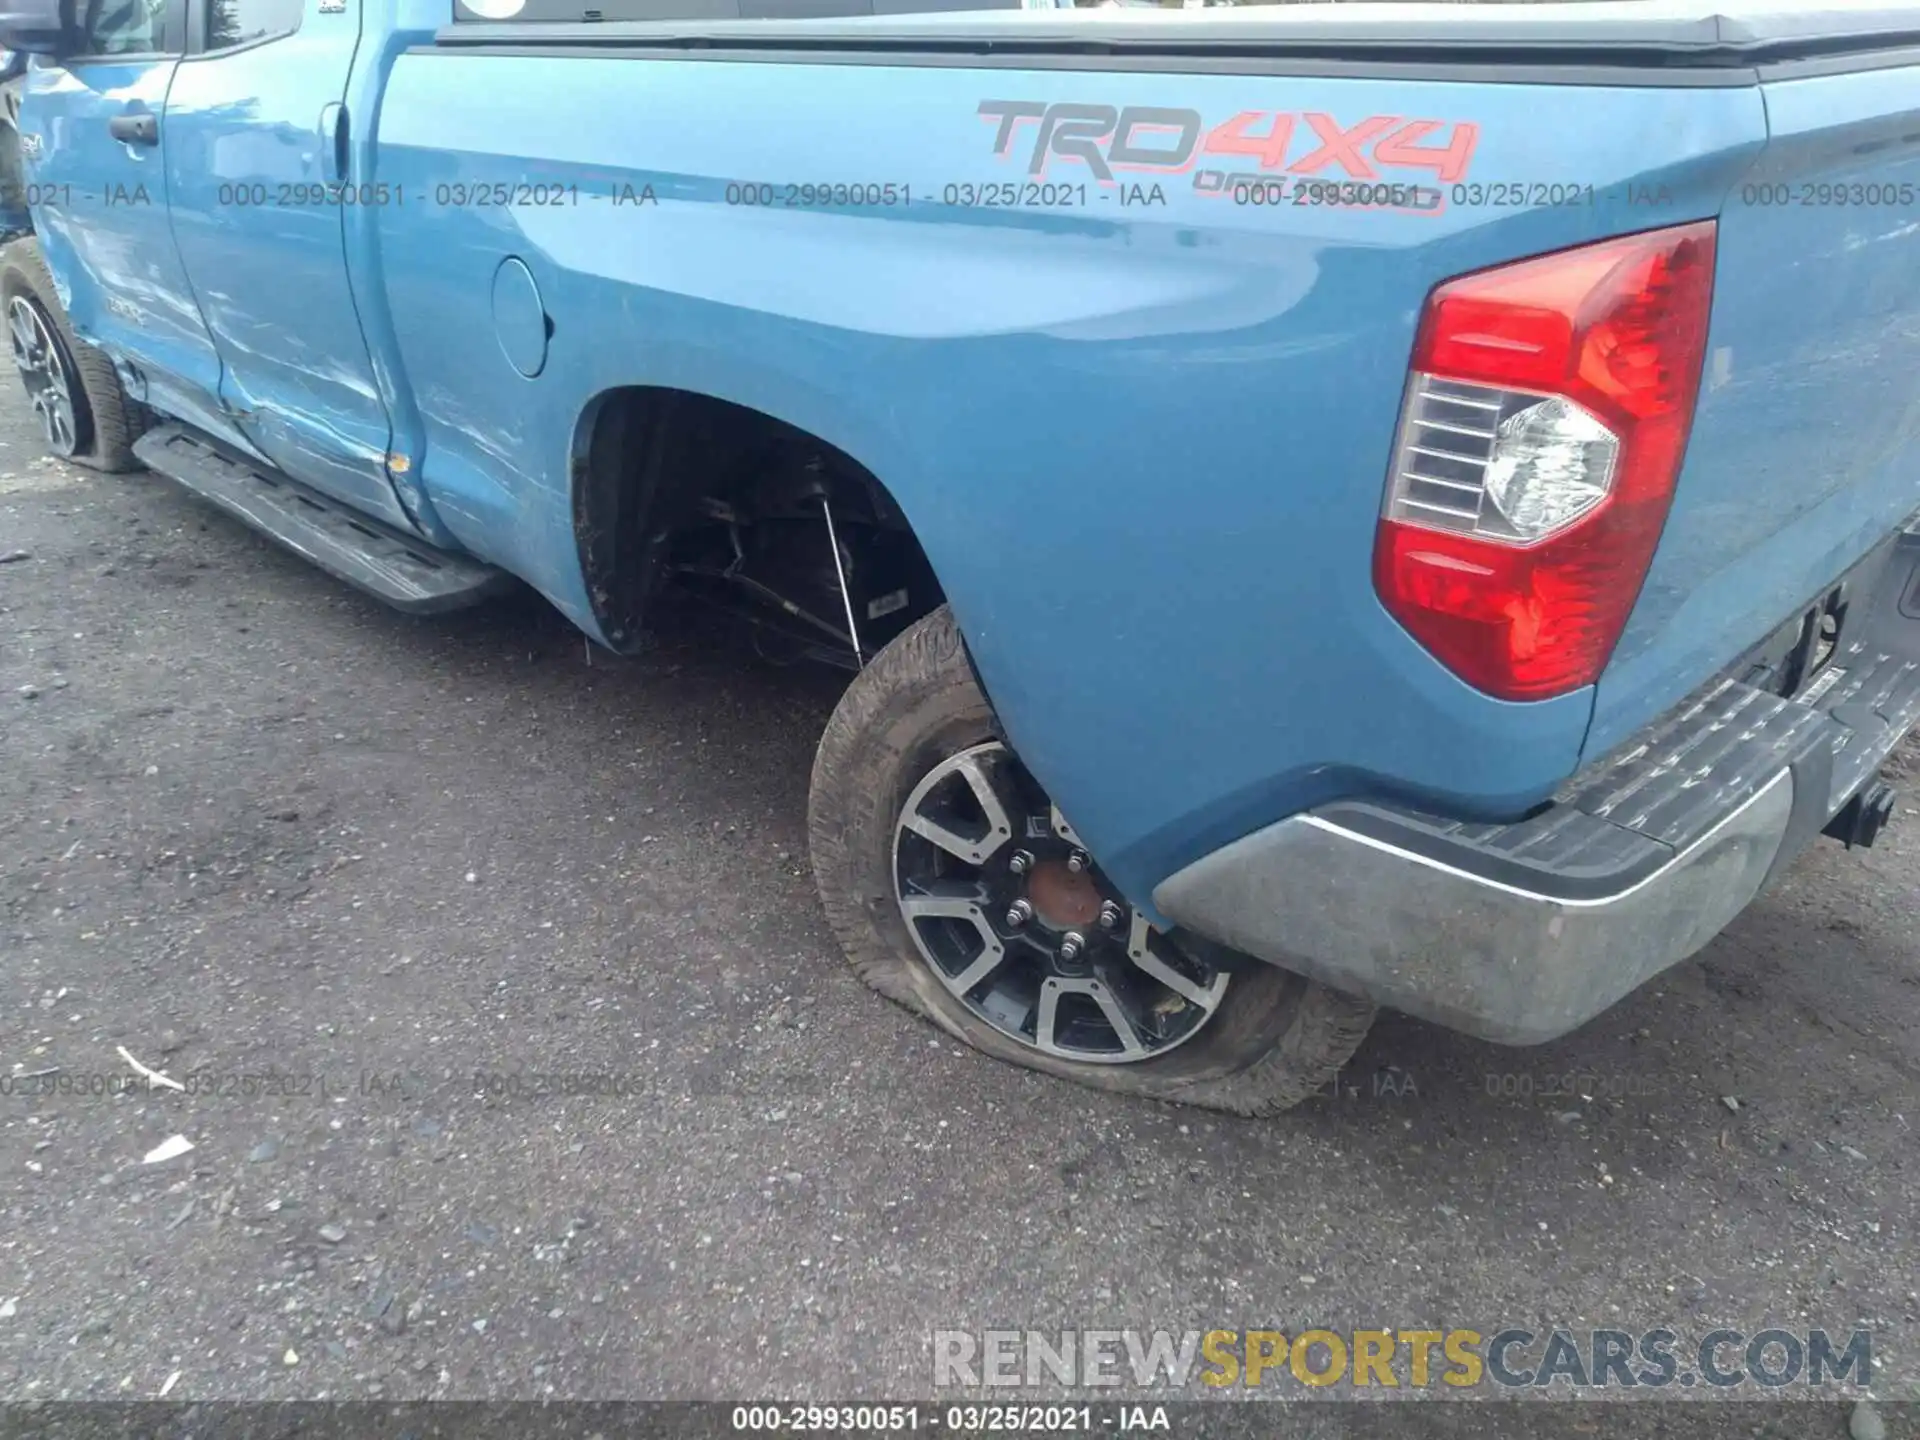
(84, 414)
(959, 890)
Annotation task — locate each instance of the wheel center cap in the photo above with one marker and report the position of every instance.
(1062, 899)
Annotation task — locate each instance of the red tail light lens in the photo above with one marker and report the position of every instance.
(1543, 429)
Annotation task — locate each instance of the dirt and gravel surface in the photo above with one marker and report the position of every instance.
(386, 894)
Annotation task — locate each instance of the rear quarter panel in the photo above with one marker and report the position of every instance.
(1144, 446)
(1806, 443)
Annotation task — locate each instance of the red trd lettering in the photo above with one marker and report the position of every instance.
(1449, 162)
(1231, 138)
(1343, 146)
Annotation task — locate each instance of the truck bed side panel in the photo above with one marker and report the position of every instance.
(1144, 442)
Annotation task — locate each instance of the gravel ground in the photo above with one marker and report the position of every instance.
(350, 874)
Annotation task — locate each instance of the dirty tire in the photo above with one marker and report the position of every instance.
(1277, 1037)
(107, 422)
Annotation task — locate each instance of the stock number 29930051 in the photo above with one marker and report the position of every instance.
(957, 1419)
(831, 1417)
(824, 194)
(300, 194)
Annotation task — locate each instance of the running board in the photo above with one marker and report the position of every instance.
(403, 570)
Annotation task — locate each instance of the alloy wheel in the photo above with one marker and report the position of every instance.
(45, 373)
(1016, 920)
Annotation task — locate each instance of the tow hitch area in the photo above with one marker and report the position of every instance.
(1862, 818)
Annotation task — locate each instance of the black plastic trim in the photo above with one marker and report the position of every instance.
(1549, 41)
(400, 569)
(1490, 73)
(1812, 67)
(1636, 857)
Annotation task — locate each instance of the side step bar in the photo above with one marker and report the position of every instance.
(403, 570)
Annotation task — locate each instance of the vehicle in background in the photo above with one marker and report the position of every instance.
(15, 219)
(1324, 506)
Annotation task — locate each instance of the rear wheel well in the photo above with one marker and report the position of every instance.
(674, 488)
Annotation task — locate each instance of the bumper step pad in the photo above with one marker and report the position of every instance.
(1623, 817)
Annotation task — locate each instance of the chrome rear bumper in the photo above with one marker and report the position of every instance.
(1519, 932)
(1478, 955)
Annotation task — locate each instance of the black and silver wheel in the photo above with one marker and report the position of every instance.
(1016, 920)
(959, 890)
(45, 373)
(84, 413)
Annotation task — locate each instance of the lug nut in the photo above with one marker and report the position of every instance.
(1072, 944)
(1019, 913)
(1020, 863)
(1111, 915)
(1078, 861)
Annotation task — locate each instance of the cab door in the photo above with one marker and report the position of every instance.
(94, 141)
(259, 138)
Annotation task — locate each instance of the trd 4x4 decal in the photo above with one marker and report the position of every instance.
(1106, 138)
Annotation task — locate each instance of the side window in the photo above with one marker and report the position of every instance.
(241, 22)
(124, 27)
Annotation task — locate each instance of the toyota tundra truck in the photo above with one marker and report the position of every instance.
(1323, 506)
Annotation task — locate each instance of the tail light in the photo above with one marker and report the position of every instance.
(1543, 427)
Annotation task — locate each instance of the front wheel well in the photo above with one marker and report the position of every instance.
(672, 488)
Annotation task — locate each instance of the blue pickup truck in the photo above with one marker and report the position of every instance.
(1324, 506)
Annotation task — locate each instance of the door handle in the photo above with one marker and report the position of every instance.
(334, 141)
(135, 129)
